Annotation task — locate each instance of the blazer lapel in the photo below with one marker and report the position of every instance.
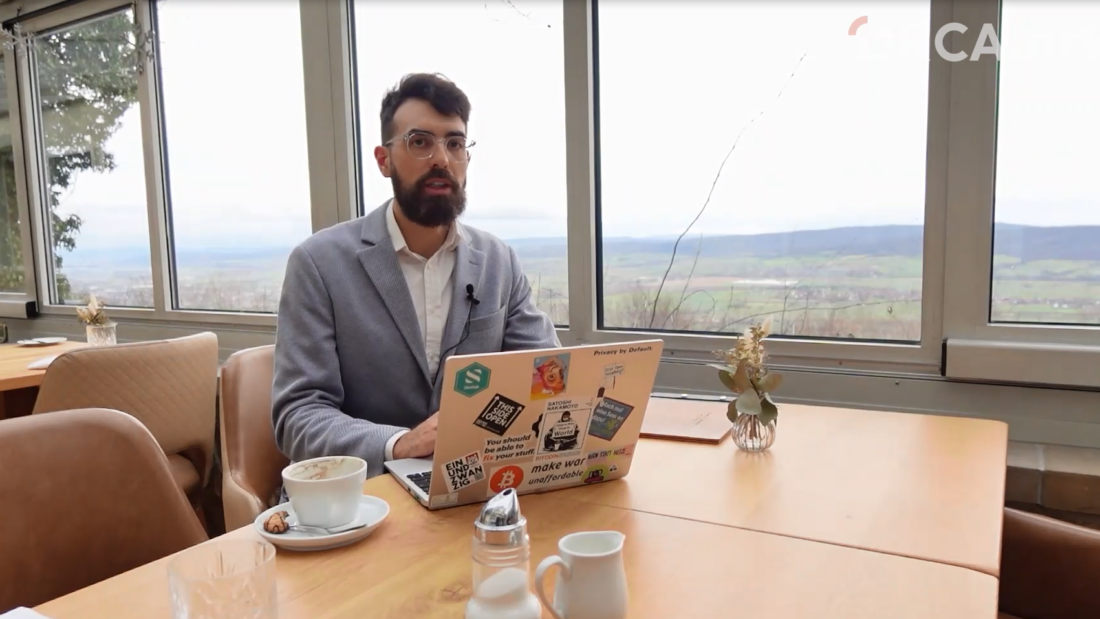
(379, 260)
(469, 266)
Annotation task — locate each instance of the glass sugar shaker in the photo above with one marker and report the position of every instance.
(502, 563)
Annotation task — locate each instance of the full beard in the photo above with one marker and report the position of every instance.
(430, 211)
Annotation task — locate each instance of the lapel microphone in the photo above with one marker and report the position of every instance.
(465, 330)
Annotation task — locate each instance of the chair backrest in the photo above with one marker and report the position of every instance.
(168, 385)
(1049, 568)
(251, 460)
(87, 495)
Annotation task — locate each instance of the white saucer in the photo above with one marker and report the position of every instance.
(42, 341)
(372, 511)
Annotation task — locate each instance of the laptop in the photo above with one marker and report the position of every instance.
(534, 421)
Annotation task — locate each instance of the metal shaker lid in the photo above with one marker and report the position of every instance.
(500, 521)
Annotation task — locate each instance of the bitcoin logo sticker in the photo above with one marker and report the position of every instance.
(510, 476)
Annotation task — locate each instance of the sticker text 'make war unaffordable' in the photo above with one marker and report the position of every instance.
(550, 471)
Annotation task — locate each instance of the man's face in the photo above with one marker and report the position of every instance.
(429, 178)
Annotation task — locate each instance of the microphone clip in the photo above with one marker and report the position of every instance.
(470, 295)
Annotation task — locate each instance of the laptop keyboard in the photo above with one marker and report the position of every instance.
(421, 480)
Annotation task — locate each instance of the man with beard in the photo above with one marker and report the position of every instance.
(371, 308)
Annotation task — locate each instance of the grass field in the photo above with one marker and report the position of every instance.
(865, 293)
(852, 296)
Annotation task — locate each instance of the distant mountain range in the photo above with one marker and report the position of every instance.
(1027, 243)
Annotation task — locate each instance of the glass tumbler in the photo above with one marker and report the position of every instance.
(224, 579)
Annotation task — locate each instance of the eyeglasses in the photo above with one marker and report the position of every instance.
(422, 145)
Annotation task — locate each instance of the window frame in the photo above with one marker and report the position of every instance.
(332, 168)
(34, 179)
(977, 348)
(856, 355)
(20, 304)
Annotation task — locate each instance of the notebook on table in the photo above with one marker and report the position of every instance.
(686, 418)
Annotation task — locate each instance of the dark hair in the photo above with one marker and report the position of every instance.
(443, 95)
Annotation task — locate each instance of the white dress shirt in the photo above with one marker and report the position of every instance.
(430, 282)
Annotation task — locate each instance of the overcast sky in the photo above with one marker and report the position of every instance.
(844, 145)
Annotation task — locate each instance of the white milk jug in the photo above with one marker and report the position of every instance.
(591, 581)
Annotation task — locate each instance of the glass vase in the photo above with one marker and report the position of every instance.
(751, 434)
(102, 335)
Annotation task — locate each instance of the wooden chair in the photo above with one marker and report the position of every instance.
(1049, 568)
(89, 495)
(251, 461)
(168, 385)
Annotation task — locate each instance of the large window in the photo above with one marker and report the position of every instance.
(757, 160)
(236, 153)
(93, 194)
(1046, 263)
(680, 170)
(507, 57)
(12, 272)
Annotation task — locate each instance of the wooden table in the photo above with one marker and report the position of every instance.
(417, 564)
(19, 385)
(920, 486)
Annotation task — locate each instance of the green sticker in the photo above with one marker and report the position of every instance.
(472, 379)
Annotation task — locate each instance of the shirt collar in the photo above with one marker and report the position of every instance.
(454, 236)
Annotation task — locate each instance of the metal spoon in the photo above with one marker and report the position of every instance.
(304, 528)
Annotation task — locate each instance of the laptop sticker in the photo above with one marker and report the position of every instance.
(611, 373)
(464, 471)
(562, 404)
(472, 379)
(444, 500)
(509, 447)
(510, 476)
(498, 415)
(608, 417)
(607, 455)
(595, 474)
(561, 433)
(550, 376)
(528, 476)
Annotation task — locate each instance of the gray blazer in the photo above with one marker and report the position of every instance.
(350, 367)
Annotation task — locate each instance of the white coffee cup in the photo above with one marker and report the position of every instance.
(325, 492)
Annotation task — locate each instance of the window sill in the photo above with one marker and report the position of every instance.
(825, 355)
(1053, 416)
(17, 306)
(212, 319)
(1023, 363)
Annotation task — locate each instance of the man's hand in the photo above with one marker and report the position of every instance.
(418, 442)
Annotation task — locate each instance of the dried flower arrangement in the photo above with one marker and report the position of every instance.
(93, 314)
(746, 374)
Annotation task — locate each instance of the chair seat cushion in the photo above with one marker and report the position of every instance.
(185, 474)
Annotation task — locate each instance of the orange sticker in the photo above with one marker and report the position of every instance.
(505, 477)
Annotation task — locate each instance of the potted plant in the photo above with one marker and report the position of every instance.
(99, 327)
(745, 373)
